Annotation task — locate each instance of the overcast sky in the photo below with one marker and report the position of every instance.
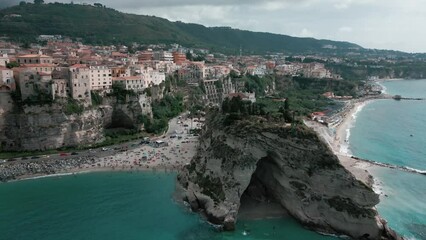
(382, 24)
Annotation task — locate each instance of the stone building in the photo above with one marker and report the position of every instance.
(33, 84)
(80, 83)
(7, 82)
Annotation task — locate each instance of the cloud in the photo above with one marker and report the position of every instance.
(305, 33)
(345, 29)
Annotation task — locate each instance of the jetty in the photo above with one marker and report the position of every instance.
(399, 97)
(391, 166)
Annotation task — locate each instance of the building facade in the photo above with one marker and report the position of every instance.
(100, 78)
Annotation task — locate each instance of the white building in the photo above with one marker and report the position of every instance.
(149, 75)
(135, 83)
(156, 77)
(4, 60)
(163, 56)
(100, 78)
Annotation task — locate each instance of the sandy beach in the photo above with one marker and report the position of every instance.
(336, 136)
(177, 149)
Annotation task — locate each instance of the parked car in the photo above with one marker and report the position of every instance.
(35, 157)
(74, 153)
(63, 154)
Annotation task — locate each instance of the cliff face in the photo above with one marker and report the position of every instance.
(257, 157)
(29, 128)
(47, 127)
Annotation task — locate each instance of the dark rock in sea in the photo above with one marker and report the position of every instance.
(293, 167)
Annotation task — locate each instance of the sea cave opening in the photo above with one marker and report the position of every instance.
(258, 200)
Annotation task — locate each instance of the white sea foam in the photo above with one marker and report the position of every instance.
(344, 147)
(377, 187)
(54, 175)
(416, 170)
(384, 89)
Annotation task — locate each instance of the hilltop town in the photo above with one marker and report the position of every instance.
(66, 69)
(140, 87)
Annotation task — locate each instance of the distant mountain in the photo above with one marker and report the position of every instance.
(101, 25)
(8, 3)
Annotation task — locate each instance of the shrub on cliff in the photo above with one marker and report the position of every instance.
(73, 107)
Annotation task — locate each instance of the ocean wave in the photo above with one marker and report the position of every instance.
(384, 89)
(345, 147)
(54, 175)
(423, 172)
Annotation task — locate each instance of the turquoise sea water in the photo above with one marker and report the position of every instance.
(116, 206)
(395, 132)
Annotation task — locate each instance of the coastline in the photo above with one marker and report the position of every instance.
(142, 158)
(337, 138)
(136, 157)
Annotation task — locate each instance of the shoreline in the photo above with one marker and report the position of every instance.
(142, 158)
(171, 156)
(168, 169)
(336, 137)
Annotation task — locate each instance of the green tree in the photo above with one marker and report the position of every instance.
(12, 64)
(38, 2)
(189, 56)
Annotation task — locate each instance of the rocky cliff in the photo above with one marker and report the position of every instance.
(42, 127)
(48, 127)
(268, 160)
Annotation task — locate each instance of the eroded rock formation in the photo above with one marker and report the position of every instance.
(48, 127)
(293, 165)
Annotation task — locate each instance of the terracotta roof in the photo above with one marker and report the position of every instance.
(79, 66)
(118, 54)
(33, 56)
(127, 78)
(241, 95)
(318, 114)
(44, 74)
(38, 65)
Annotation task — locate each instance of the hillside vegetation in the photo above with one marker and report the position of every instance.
(101, 25)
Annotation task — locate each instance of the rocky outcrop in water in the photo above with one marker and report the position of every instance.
(261, 157)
